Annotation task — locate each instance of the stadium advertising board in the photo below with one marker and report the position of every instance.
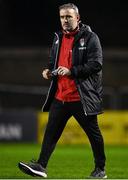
(18, 126)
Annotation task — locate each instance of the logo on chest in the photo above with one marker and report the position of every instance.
(82, 44)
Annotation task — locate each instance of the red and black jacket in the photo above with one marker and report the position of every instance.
(86, 69)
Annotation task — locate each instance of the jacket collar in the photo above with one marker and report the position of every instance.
(83, 28)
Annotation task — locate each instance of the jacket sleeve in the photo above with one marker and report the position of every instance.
(94, 59)
(51, 56)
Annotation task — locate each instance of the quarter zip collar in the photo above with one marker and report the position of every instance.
(72, 33)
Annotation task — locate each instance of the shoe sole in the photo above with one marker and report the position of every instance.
(105, 177)
(91, 177)
(28, 170)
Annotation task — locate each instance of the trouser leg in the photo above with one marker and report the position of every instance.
(58, 116)
(91, 128)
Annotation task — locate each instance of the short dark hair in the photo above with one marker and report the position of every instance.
(70, 6)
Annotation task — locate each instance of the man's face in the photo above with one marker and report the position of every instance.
(69, 19)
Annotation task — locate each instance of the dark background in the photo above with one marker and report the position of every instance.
(26, 32)
(32, 22)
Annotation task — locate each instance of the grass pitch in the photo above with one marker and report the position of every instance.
(67, 162)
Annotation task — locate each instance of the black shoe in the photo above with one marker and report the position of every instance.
(33, 169)
(98, 174)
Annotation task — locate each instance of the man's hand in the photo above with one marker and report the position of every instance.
(62, 71)
(46, 74)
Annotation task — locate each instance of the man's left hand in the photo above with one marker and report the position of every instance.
(62, 71)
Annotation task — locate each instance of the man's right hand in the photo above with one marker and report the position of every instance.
(46, 74)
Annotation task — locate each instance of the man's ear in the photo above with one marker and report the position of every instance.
(78, 18)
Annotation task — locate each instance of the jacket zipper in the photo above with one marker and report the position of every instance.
(80, 93)
(57, 50)
(79, 90)
(54, 68)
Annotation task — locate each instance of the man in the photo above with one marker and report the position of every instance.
(75, 70)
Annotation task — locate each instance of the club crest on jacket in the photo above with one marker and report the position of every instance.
(82, 42)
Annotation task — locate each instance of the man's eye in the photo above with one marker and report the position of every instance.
(65, 17)
(68, 17)
(62, 17)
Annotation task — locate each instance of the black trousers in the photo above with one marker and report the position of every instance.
(58, 116)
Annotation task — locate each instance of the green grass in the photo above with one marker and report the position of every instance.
(67, 162)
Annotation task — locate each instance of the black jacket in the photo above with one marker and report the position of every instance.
(86, 69)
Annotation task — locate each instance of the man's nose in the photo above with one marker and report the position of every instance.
(66, 19)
